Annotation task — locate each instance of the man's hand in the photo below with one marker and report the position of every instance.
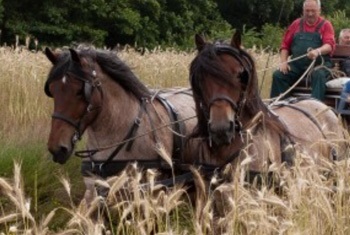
(284, 67)
(313, 54)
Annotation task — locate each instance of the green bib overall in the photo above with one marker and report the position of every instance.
(302, 42)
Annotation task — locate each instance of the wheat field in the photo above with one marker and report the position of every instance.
(306, 202)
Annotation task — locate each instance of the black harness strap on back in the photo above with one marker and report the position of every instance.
(104, 170)
(292, 100)
(178, 127)
(130, 134)
(288, 102)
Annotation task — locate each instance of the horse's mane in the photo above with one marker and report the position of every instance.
(109, 62)
(121, 73)
(207, 62)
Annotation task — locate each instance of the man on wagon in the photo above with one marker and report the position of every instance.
(343, 107)
(310, 35)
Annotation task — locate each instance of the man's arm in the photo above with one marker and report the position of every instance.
(283, 67)
(323, 50)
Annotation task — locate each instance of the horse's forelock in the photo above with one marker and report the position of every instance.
(207, 63)
(59, 69)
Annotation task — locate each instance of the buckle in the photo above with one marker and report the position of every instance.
(96, 168)
(137, 121)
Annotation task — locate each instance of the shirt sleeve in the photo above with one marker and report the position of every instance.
(289, 34)
(328, 37)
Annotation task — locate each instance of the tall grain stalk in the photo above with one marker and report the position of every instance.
(24, 107)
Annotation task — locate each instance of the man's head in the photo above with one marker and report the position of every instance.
(311, 11)
(344, 37)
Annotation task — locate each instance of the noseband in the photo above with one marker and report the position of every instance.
(232, 103)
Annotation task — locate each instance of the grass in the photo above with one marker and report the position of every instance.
(306, 205)
(38, 196)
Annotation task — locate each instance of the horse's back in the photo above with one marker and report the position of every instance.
(312, 124)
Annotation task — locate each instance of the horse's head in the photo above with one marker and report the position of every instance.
(220, 77)
(71, 83)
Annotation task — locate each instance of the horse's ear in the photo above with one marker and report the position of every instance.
(51, 55)
(236, 40)
(74, 55)
(200, 42)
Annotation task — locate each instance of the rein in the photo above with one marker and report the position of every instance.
(91, 152)
(111, 167)
(275, 100)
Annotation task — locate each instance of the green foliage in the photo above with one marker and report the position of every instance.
(271, 37)
(1, 12)
(144, 23)
(255, 13)
(339, 20)
(152, 23)
(343, 5)
(251, 37)
(182, 19)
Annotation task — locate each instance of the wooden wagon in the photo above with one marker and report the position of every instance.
(333, 95)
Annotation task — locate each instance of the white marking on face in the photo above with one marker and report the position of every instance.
(64, 80)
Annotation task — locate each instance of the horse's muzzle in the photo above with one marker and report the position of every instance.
(61, 154)
(222, 134)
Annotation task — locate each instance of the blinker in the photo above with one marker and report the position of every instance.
(47, 90)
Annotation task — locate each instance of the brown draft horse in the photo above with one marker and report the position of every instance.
(235, 125)
(97, 93)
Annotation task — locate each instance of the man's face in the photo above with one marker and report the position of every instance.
(345, 39)
(311, 12)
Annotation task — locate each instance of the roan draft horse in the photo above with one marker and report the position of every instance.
(97, 93)
(235, 125)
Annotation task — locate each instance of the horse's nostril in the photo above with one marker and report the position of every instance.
(63, 150)
(60, 154)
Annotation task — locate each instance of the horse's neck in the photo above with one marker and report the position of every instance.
(213, 155)
(118, 111)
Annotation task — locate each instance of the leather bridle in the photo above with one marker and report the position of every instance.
(244, 76)
(89, 85)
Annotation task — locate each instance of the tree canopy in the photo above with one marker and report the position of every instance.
(146, 23)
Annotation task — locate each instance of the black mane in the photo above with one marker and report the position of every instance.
(109, 62)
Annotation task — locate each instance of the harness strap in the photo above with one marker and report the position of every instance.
(106, 169)
(288, 103)
(178, 127)
(136, 125)
(308, 115)
(213, 168)
(59, 116)
(112, 167)
(185, 178)
(130, 133)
